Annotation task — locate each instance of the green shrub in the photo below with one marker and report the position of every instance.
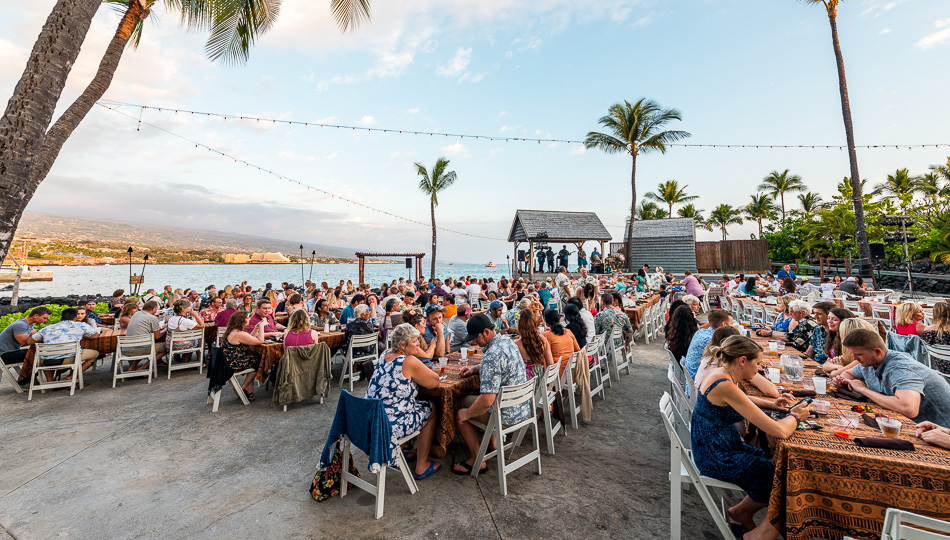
(55, 309)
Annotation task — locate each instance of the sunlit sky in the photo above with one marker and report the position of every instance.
(740, 74)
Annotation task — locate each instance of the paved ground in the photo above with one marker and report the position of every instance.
(152, 461)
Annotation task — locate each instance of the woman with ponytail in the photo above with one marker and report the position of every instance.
(718, 449)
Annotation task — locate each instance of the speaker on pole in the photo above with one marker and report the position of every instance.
(408, 262)
(877, 251)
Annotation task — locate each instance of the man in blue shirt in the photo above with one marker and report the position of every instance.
(786, 272)
(500, 366)
(895, 381)
(349, 311)
(694, 355)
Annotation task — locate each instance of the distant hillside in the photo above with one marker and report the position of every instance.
(139, 234)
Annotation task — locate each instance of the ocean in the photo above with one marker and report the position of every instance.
(90, 280)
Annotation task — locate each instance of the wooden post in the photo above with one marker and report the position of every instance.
(531, 258)
(821, 268)
(603, 257)
(847, 266)
(362, 261)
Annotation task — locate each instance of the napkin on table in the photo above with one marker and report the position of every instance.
(888, 443)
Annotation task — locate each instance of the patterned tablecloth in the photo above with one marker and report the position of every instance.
(271, 353)
(829, 487)
(636, 313)
(450, 389)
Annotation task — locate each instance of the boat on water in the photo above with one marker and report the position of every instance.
(8, 275)
(491, 265)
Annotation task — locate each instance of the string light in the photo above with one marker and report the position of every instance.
(294, 181)
(492, 138)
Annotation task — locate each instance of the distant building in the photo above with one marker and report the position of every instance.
(269, 257)
(236, 258)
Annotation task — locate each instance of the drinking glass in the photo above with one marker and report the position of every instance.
(890, 427)
(464, 351)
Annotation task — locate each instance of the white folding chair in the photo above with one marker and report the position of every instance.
(853, 306)
(512, 396)
(216, 398)
(379, 489)
(550, 386)
(181, 342)
(704, 301)
(619, 357)
(904, 525)
(7, 372)
(219, 341)
(758, 313)
(683, 469)
(646, 325)
(569, 387)
(894, 297)
(839, 294)
(882, 313)
(748, 311)
(130, 342)
(45, 352)
(939, 352)
(596, 372)
(770, 315)
(358, 341)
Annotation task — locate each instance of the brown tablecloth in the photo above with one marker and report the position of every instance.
(450, 389)
(104, 342)
(271, 353)
(636, 313)
(106, 319)
(829, 487)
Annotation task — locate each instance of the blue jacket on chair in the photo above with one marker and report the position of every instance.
(366, 425)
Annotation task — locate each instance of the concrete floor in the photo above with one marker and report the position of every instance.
(150, 461)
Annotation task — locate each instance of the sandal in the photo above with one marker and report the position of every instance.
(430, 470)
(468, 469)
(250, 396)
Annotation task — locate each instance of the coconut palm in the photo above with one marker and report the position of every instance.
(431, 183)
(650, 210)
(929, 185)
(811, 202)
(901, 185)
(761, 208)
(857, 197)
(942, 170)
(635, 128)
(690, 211)
(724, 215)
(232, 25)
(777, 184)
(671, 193)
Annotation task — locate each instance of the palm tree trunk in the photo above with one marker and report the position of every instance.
(760, 228)
(65, 125)
(783, 210)
(633, 214)
(30, 108)
(857, 196)
(432, 266)
(670, 215)
(723, 234)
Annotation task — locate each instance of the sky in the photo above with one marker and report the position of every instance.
(506, 68)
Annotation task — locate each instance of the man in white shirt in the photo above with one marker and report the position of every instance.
(472, 291)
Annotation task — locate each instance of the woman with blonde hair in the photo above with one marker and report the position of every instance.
(299, 332)
(125, 315)
(718, 449)
(534, 347)
(785, 322)
(843, 361)
(938, 333)
(909, 319)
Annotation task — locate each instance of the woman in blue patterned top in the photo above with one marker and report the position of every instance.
(718, 449)
(396, 381)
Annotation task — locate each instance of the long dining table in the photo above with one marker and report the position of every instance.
(826, 486)
(272, 351)
(443, 397)
(635, 314)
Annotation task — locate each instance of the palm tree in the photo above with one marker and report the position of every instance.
(857, 197)
(901, 185)
(650, 210)
(723, 216)
(671, 193)
(811, 202)
(777, 184)
(942, 170)
(431, 183)
(929, 185)
(690, 211)
(760, 208)
(233, 26)
(635, 129)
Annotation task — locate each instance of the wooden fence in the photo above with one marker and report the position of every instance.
(733, 256)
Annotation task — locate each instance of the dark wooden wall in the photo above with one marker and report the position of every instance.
(733, 256)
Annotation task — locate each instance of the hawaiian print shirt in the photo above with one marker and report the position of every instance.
(502, 365)
(611, 317)
(817, 343)
(800, 337)
(209, 313)
(64, 332)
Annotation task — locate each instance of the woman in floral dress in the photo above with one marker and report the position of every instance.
(395, 382)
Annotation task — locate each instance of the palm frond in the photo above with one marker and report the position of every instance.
(235, 25)
(349, 13)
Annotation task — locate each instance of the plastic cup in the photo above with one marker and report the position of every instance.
(443, 361)
(464, 351)
(326, 328)
(781, 345)
(774, 375)
(821, 385)
(820, 406)
(890, 427)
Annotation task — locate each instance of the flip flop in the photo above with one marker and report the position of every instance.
(430, 470)
(468, 469)
(250, 396)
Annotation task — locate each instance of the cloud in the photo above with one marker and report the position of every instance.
(457, 149)
(366, 121)
(502, 113)
(290, 155)
(332, 155)
(527, 44)
(885, 31)
(580, 150)
(457, 64)
(413, 110)
(939, 37)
